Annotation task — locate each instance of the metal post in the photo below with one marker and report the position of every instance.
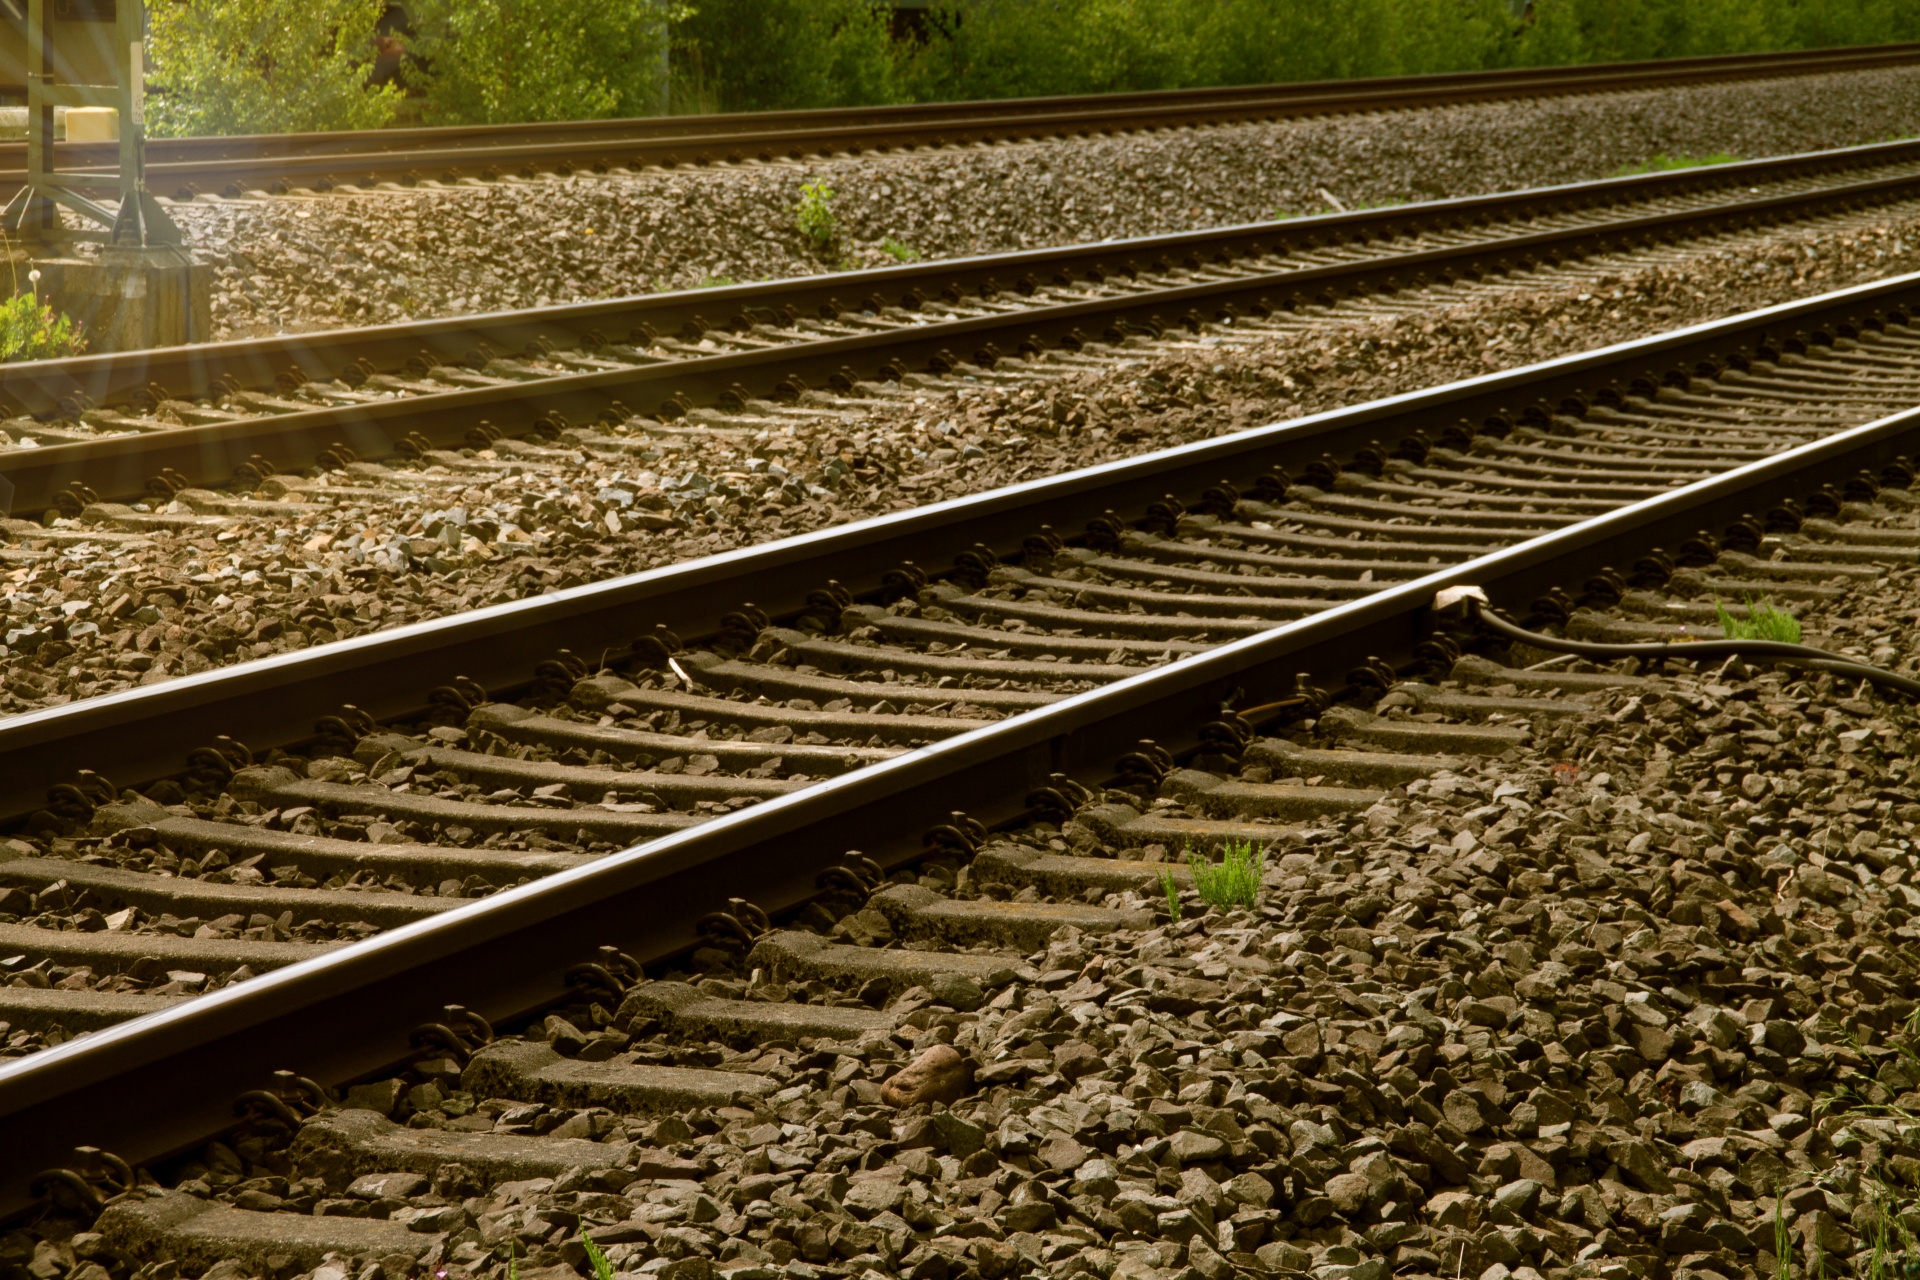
(127, 62)
(141, 221)
(39, 218)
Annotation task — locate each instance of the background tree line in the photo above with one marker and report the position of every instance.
(240, 66)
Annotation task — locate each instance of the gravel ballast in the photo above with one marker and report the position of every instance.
(1627, 996)
(291, 265)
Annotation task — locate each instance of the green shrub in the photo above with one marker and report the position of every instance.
(1569, 31)
(32, 330)
(814, 215)
(1009, 48)
(899, 250)
(263, 66)
(282, 65)
(772, 55)
(497, 61)
(1014, 48)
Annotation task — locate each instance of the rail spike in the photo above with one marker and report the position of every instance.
(85, 1185)
(606, 979)
(459, 1034)
(960, 835)
(290, 1100)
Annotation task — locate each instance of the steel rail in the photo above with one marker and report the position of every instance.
(236, 165)
(123, 465)
(43, 388)
(347, 1013)
(295, 144)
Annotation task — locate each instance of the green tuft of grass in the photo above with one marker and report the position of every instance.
(1173, 895)
(814, 215)
(1763, 622)
(602, 1269)
(1667, 164)
(1234, 881)
(899, 251)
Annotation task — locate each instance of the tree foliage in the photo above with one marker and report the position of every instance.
(765, 55)
(279, 65)
(264, 66)
(986, 48)
(496, 61)
(1030, 48)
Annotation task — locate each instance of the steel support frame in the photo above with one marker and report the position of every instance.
(32, 217)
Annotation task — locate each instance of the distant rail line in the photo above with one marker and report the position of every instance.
(280, 163)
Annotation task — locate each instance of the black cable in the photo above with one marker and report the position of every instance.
(1694, 650)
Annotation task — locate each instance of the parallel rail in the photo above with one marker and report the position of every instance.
(340, 1015)
(235, 166)
(927, 319)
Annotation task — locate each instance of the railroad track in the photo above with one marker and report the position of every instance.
(184, 167)
(643, 751)
(743, 366)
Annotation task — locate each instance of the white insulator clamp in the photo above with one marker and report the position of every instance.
(1451, 598)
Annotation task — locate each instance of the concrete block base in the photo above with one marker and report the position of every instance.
(132, 299)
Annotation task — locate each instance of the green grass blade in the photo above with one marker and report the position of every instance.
(1234, 881)
(1763, 622)
(602, 1269)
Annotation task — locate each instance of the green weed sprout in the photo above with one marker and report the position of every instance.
(1782, 1238)
(814, 214)
(1173, 895)
(1763, 622)
(1878, 1231)
(602, 1269)
(899, 250)
(1234, 881)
